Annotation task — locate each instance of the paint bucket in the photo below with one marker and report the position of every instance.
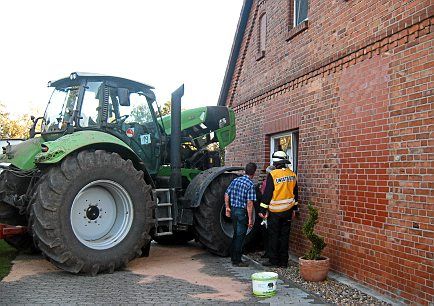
(264, 284)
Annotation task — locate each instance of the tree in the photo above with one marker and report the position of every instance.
(13, 128)
(166, 109)
(141, 114)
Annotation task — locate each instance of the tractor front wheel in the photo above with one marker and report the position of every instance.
(92, 213)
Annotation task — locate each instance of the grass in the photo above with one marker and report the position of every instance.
(7, 254)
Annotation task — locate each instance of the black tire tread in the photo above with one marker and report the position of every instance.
(207, 216)
(48, 201)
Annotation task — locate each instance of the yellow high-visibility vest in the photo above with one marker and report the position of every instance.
(283, 196)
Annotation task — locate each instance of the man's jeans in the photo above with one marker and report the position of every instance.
(239, 221)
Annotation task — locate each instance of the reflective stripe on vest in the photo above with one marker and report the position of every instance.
(283, 195)
(279, 207)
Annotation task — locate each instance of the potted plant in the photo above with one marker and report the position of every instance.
(313, 266)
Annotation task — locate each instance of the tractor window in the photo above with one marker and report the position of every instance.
(90, 109)
(60, 109)
(139, 110)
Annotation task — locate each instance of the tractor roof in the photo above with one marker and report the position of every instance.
(120, 82)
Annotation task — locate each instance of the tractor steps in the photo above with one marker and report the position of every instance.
(164, 211)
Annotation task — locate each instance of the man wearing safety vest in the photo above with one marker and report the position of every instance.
(278, 204)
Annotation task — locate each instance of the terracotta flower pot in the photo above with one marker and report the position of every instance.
(314, 270)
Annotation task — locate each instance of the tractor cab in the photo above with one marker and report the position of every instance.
(121, 107)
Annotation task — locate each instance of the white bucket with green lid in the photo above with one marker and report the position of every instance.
(264, 284)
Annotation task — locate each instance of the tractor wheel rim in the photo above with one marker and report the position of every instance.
(101, 214)
(226, 223)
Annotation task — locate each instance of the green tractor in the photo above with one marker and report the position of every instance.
(104, 173)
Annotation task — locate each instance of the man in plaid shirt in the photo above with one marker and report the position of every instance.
(239, 198)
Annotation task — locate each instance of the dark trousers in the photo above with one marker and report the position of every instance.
(279, 226)
(264, 237)
(239, 221)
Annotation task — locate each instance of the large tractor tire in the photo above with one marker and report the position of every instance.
(215, 230)
(92, 213)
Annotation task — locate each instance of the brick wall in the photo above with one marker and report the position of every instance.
(358, 85)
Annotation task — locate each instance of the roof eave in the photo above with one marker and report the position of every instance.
(236, 46)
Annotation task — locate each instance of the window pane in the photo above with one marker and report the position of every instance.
(287, 143)
(60, 108)
(263, 33)
(93, 96)
(139, 110)
(301, 8)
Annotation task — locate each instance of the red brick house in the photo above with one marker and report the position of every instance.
(346, 88)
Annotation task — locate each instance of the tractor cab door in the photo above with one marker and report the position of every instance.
(136, 124)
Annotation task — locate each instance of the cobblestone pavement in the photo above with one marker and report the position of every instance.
(171, 275)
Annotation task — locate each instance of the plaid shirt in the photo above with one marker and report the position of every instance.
(240, 191)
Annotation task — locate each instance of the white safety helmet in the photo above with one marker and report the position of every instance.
(280, 157)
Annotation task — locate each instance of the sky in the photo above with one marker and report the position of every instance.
(163, 43)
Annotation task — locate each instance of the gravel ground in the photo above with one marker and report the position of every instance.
(330, 290)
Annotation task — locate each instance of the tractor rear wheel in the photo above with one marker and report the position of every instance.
(215, 230)
(92, 213)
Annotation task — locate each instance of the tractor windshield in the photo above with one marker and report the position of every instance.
(91, 106)
(60, 109)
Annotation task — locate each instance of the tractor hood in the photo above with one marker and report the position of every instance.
(21, 155)
(216, 123)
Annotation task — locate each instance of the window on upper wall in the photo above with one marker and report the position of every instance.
(300, 11)
(297, 18)
(262, 36)
(287, 142)
(263, 33)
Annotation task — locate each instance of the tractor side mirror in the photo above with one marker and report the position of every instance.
(124, 96)
(35, 125)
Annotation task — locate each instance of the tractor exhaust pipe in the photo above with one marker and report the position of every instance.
(175, 138)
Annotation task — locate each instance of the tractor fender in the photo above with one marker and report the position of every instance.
(200, 182)
(58, 149)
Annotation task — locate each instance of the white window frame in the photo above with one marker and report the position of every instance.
(295, 13)
(293, 157)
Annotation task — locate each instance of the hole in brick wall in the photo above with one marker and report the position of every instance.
(415, 225)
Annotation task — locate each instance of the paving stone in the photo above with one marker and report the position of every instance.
(127, 287)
